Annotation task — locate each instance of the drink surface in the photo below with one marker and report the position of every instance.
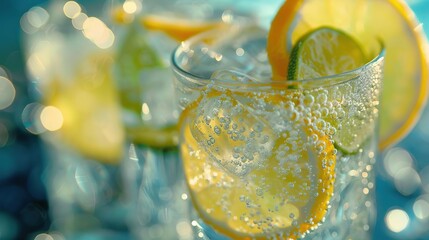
(264, 159)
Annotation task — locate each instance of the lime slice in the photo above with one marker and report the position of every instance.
(134, 57)
(137, 61)
(405, 84)
(324, 52)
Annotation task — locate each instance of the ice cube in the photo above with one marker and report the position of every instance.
(162, 44)
(231, 134)
(159, 108)
(230, 75)
(242, 49)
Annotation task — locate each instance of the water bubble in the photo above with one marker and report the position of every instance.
(321, 124)
(322, 98)
(308, 100)
(341, 113)
(324, 112)
(217, 130)
(259, 191)
(314, 138)
(317, 114)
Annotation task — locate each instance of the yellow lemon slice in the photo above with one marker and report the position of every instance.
(88, 104)
(119, 16)
(177, 28)
(248, 181)
(154, 137)
(405, 85)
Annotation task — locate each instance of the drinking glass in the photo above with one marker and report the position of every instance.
(265, 159)
(149, 109)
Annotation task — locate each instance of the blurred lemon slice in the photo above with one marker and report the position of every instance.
(88, 103)
(405, 84)
(178, 28)
(120, 16)
(285, 195)
(154, 137)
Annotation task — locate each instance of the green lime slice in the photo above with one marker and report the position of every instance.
(134, 54)
(324, 52)
(135, 57)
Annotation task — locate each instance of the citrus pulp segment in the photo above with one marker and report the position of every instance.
(405, 85)
(281, 190)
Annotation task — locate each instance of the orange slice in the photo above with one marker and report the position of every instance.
(248, 182)
(405, 86)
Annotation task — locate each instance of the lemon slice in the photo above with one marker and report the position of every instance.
(279, 187)
(177, 28)
(155, 137)
(88, 104)
(120, 16)
(405, 84)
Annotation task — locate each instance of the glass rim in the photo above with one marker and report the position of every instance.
(290, 84)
